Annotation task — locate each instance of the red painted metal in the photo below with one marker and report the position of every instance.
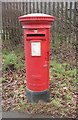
(37, 29)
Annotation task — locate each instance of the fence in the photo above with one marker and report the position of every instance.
(63, 29)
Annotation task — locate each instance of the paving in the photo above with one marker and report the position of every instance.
(23, 115)
(0, 108)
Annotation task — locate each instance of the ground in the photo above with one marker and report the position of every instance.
(63, 94)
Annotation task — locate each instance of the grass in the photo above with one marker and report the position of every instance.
(13, 60)
(62, 70)
(63, 96)
(56, 103)
(62, 87)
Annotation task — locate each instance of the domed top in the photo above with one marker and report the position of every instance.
(36, 15)
(36, 20)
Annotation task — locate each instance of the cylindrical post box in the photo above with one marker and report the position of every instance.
(37, 48)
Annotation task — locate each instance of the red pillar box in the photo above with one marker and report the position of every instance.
(37, 48)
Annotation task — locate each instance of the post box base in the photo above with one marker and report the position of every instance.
(36, 96)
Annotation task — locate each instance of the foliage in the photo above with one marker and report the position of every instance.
(12, 60)
(62, 91)
(62, 86)
(62, 70)
(56, 103)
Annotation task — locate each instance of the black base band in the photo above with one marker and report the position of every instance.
(36, 96)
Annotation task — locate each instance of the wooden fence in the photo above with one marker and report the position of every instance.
(63, 29)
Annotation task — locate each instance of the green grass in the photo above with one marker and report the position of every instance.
(62, 70)
(56, 103)
(62, 87)
(13, 60)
